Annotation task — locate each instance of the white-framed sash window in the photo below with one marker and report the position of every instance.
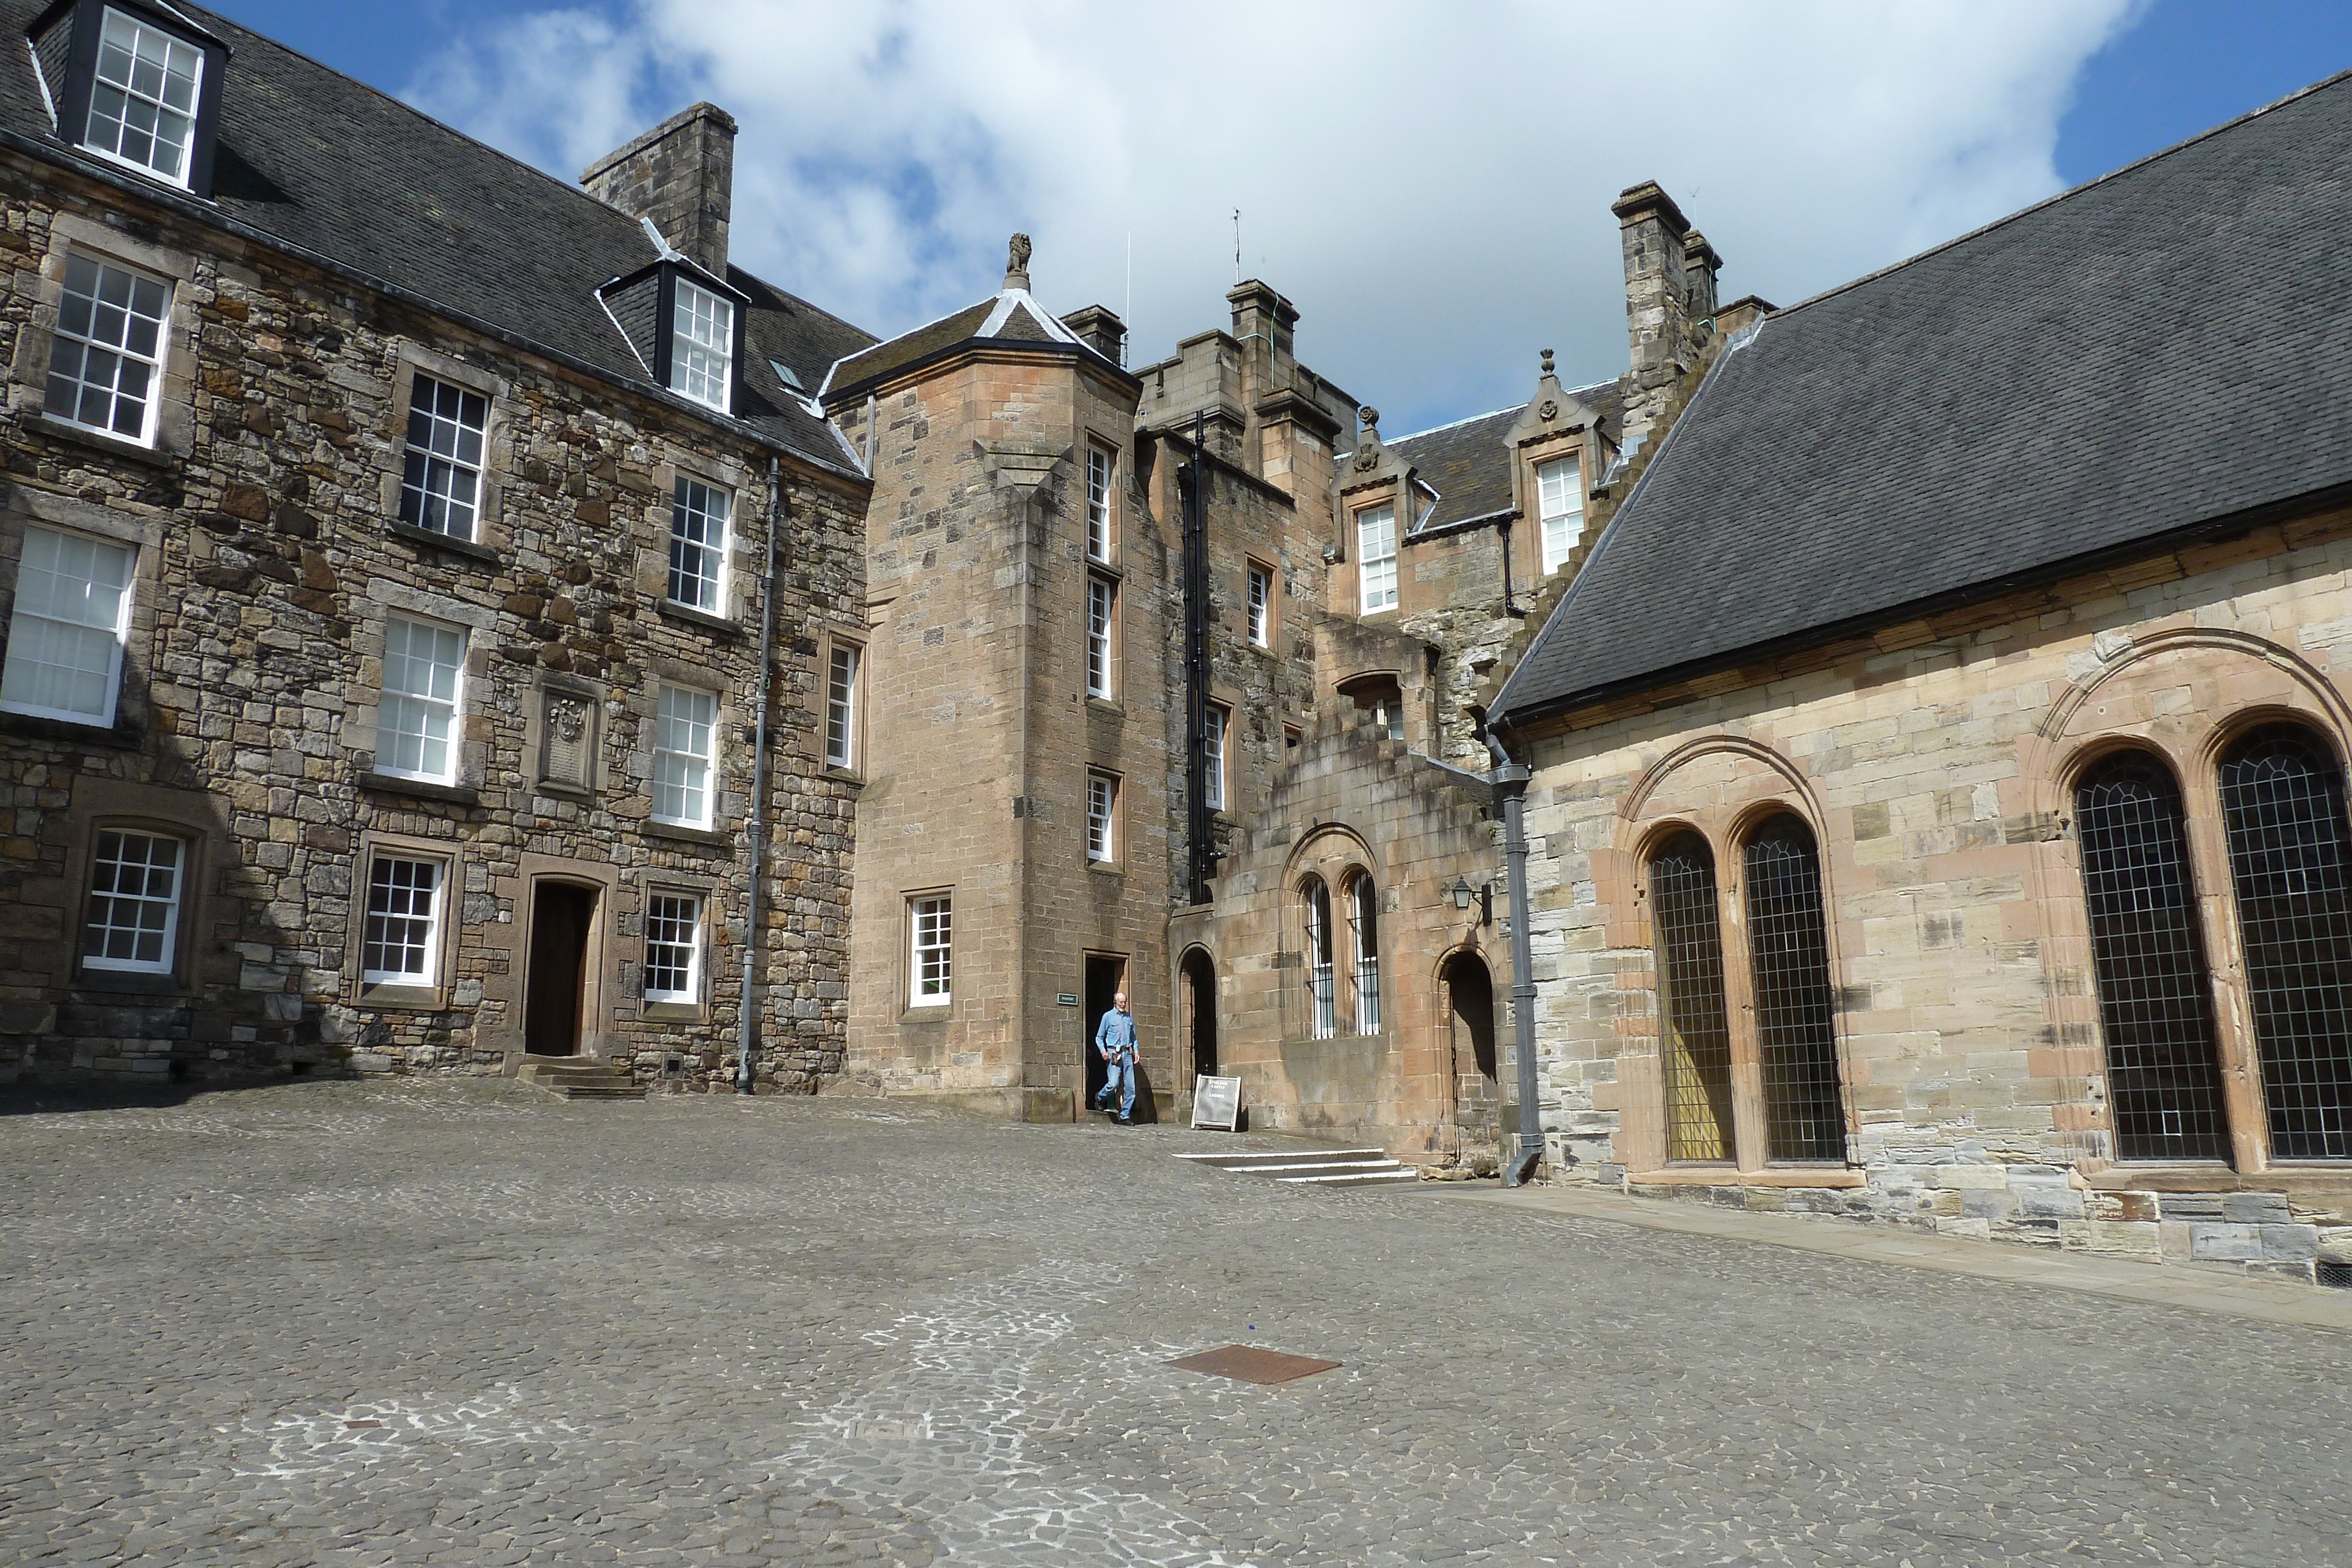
(1099, 466)
(65, 636)
(106, 357)
(1213, 721)
(1376, 558)
(1102, 605)
(702, 345)
(416, 719)
(143, 100)
(441, 476)
(841, 706)
(674, 948)
(686, 730)
(402, 943)
(1261, 607)
(135, 883)
(933, 919)
(1102, 817)
(1559, 506)
(699, 514)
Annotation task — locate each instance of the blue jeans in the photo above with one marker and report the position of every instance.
(1119, 1073)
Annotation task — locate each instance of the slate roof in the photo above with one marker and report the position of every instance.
(1468, 465)
(328, 165)
(1012, 315)
(2162, 347)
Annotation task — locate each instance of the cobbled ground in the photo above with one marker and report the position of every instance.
(337, 1323)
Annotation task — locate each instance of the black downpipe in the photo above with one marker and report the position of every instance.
(1192, 489)
(1504, 529)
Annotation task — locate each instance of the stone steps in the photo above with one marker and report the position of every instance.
(581, 1080)
(1313, 1167)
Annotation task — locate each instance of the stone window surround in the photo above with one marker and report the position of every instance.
(1235, 703)
(21, 506)
(386, 598)
(175, 413)
(1336, 857)
(911, 1010)
(2190, 746)
(104, 803)
(432, 997)
(1113, 864)
(1273, 606)
(641, 887)
(641, 712)
(1115, 641)
(1526, 499)
(828, 639)
(491, 535)
(1623, 882)
(743, 545)
(1346, 575)
(1114, 532)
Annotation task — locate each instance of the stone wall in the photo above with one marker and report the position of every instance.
(1933, 763)
(269, 556)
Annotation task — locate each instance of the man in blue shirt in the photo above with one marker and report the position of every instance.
(1115, 1043)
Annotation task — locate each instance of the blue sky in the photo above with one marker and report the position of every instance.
(1434, 244)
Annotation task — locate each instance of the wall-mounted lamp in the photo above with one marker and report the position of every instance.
(1463, 892)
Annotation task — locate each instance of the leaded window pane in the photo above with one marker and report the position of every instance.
(2283, 809)
(441, 480)
(2155, 1005)
(1796, 1010)
(1321, 981)
(1364, 902)
(1696, 1043)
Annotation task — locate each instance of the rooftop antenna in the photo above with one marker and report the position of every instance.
(1237, 246)
(1127, 314)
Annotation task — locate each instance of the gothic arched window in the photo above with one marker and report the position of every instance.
(1796, 1012)
(2282, 810)
(2156, 1007)
(1322, 998)
(1695, 1042)
(1363, 913)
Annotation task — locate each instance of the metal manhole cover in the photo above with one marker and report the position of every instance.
(1250, 1364)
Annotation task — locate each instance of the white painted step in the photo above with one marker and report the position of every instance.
(1356, 1178)
(1312, 1167)
(1269, 1158)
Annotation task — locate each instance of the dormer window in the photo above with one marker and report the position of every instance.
(702, 345)
(142, 103)
(137, 85)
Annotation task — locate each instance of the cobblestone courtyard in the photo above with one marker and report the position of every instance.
(338, 1325)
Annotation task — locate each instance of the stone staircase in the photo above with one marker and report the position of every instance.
(1313, 1167)
(576, 1079)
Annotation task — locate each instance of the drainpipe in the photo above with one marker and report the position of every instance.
(1510, 781)
(756, 834)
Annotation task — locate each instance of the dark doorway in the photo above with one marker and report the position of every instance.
(1200, 1004)
(1478, 1088)
(1104, 979)
(561, 920)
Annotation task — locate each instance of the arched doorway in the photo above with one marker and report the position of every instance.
(1477, 1078)
(1201, 1010)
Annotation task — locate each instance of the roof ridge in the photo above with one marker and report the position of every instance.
(1452, 424)
(2071, 191)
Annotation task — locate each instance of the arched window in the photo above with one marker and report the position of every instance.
(2283, 809)
(1796, 1013)
(1321, 990)
(1363, 911)
(2155, 1008)
(1696, 1043)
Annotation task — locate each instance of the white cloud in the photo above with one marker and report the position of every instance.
(1430, 184)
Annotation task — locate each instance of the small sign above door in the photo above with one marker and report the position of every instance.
(1068, 999)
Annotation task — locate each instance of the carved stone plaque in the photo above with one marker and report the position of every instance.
(567, 740)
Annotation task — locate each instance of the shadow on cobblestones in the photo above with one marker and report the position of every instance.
(353, 1324)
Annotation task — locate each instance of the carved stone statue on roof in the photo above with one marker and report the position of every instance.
(1017, 262)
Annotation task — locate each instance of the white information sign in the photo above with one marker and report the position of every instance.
(1216, 1102)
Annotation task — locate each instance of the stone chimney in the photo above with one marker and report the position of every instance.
(1265, 324)
(1101, 330)
(1700, 264)
(1657, 298)
(681, 174)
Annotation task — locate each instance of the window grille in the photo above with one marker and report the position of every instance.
(134, 902)
(403, 934)
(2155, 1008)
(685, 729)
(142, 103)
(1376, 558)
(702, 345)
(1102, 817)
(1101, 598)
(934, 927)
(64, 635)
(1212, 746)
(1261, 607)
(1098, 467)
(441, 485)
(2283, 809)
(1796, 1016)
(1560, 503)
(1364, 906)
(417, 721)
(1697, 1041)
(841, 708)
(673, 947)
(108, 351)
(698, 546)
(1320, 985)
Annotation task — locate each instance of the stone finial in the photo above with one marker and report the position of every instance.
(1017, 262)
(1547, 361)
(1372, 420)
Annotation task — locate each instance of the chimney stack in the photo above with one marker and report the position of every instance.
(680, 174)
(1657, 298)
(1700, 264)
(1101, 330)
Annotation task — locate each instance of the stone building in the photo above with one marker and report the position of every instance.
(1938, 760)
(386, 542)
